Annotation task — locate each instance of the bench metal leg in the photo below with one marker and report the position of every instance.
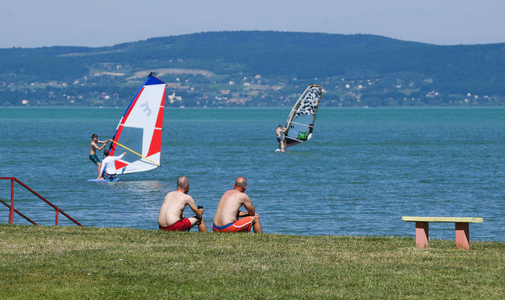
(462, 236)
(422, 234)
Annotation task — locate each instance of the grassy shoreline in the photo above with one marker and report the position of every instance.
(39, 262)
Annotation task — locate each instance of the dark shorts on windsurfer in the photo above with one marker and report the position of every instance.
(94, 159)
(278, 139)
(111, 177)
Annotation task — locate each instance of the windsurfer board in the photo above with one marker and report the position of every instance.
(99, 180)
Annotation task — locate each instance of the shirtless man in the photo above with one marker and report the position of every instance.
(171, 217)
(281, 142)
(228, 213)
(92, 152)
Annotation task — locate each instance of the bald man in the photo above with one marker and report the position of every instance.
(171, 217)
(228, 213)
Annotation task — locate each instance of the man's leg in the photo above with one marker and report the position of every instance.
(256, 224)
(99, 164)
(201, 225)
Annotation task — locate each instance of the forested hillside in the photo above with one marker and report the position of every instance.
(249, 68)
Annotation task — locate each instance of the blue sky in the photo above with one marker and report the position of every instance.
(94, 23)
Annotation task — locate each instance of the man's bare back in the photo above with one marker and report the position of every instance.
(228, 211)
(171, 217)
(229, 205)
(173, 207)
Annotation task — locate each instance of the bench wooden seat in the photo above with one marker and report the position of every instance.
(462, 229)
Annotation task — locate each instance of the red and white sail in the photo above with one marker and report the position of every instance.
(139, 130)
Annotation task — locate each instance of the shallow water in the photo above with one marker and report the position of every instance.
(363, 170)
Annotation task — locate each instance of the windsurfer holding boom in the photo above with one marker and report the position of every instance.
(109, 166)
(93, 147)
(279, 137)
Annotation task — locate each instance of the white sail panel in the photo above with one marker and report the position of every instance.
(145, 111)
(300, 123)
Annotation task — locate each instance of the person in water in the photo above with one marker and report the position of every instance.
(228, 213)
(109, 166)
(171, 217)
(279, 139)
(93, 147)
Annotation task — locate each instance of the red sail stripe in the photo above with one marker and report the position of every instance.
(120, 164)
(155, 143)
(155, 146)
(118, 134)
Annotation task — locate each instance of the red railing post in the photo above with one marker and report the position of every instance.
(57, 210)
(11, 212)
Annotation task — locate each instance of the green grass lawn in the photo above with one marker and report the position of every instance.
(39, 262)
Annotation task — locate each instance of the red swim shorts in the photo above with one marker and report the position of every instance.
(181, 225)
(242, 225)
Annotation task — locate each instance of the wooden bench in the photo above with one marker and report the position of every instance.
(462, 229)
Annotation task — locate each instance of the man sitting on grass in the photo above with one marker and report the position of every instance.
(228, 213)
(171, 217)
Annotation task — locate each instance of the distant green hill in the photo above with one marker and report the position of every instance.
(403, 68)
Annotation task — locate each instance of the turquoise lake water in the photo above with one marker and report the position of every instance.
(363, 170)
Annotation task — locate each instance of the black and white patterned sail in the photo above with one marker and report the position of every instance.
(301, 120)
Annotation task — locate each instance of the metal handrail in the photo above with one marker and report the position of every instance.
(12, 210)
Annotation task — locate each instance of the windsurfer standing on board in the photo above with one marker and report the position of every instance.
(93, 147)
(279, 137)
(171, 217)
(228, 213)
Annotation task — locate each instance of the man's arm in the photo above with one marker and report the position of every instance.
(242, 214)
(194, 208)
(119, 157)
(249, 206)
(102, 168)
(100, 148)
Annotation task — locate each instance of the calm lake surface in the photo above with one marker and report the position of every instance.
(363, 170)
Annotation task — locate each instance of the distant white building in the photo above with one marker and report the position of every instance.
(172, 98)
